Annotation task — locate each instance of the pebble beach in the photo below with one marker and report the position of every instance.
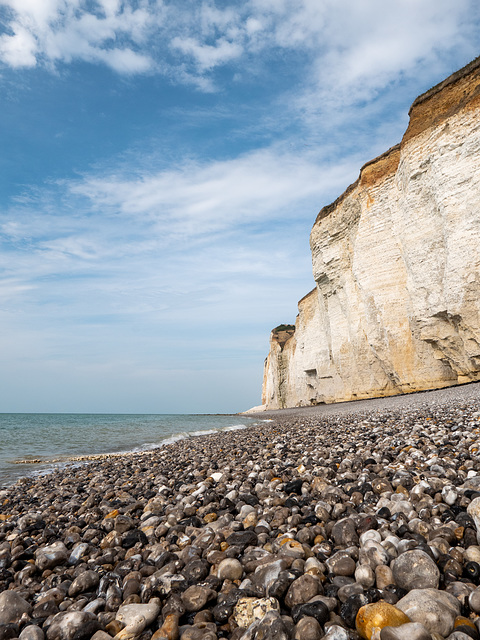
(342, 522)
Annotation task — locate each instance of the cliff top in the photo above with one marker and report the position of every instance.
(455, 77)
(428, 109)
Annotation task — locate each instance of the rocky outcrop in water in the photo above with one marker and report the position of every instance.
(396, 263)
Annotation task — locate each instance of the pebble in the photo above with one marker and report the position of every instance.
(248, 610)
(415, 570)
(336, 632)
(135, 617)
(372, 618)
(32, 632)
(302, 590)
(408, 631)
(51, 555)
(196, 597)
(13, 607)
(308, 629)
(72, 625)
(435, 609)
(230, 569)
(290, 530)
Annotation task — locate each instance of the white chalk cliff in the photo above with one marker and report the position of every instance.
(396, 264)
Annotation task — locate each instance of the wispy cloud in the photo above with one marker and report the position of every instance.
(200, 230)
(203, 198)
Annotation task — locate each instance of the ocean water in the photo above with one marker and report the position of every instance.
(32, 443)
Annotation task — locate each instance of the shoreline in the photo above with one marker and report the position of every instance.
(114, 438)
(263, 530)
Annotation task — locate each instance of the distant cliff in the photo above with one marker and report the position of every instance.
(396, 263)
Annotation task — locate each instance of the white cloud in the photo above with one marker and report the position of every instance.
(55, 31)
(198, 199)
(125, 60)
(207, 56)
(18, 50)
(347, 43)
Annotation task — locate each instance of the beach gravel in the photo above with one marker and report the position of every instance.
(341, 522)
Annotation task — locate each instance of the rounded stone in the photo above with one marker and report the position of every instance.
(43, 610)
(302, 590)
(12, 607)
(383, 576)
(436, 610)
(31, 632)
(136, 617)
(169, 628)
(408, 631)
(341, 564)
(86, 581)
(315, 609)
(351, 607)
(73, 625)
(473, 510)
(474, 600)
(336, 632)
(270, 627)
(344, 532)
(373, 617)
(308, 629)
(51, 556)
(364, 575)
(101, 635)
(466, 625)
(374, 554)
(196, 597)
(230, 569)
(8, 631)
(415, 570)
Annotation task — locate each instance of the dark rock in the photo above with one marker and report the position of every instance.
(344, 533)
(294, 486)
(196, 571)
(131, 537)
(8, 631)
(242, 539)
(350, 608)
(316, 609)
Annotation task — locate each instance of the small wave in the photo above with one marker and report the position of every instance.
(206, 432)
(148, 446)
(235, 427)
(174, 438)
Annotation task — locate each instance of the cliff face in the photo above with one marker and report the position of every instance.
(396, 262)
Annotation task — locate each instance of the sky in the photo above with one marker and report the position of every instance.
(162, 163)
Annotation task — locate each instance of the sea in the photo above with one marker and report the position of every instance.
(36, 443)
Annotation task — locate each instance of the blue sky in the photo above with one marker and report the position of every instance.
(162, 165)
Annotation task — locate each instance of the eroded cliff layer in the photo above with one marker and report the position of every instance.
(396, 263)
